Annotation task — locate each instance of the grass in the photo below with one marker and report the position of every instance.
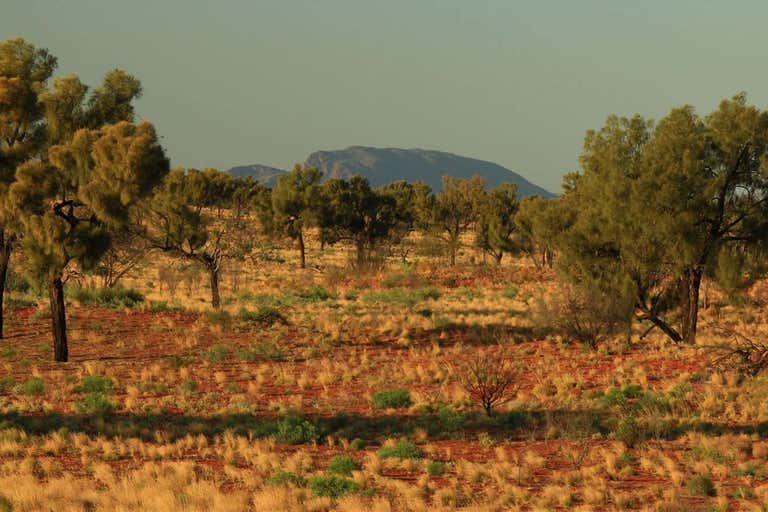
(116, 297)
(402, 449)
(392, 399)
(402, 296)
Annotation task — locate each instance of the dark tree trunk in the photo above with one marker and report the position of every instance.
(360, 245)
(498, 256)
(58, 319)
(301, 250)
(5, 259)
(689, 311)
(213, 272)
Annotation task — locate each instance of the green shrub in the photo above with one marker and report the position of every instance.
(296, 430)
(163, 305)
(5, 504)
(285, 478)
(435, 468)
(188, 387)
(332, 486)
(217, 353)
(628, 431)
(357, 444)
(14, 303)
(15, 282)
(94, 403)
(392, 399)
(34, 386)
(404, 449)
(263, 350)
(700, 486)
(115, 297)
(510, 292)
(266, 315)
(342, 465)
(314, 294)
(402, 296)
(94, 384)
(6, 383)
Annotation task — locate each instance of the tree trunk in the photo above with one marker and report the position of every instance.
(498, 256)
(58, 319)
(301, 250)
(689, 313)
(5, 259)
(360, 244)
(213, 272)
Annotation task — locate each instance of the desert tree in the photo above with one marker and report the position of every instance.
(538, 222)
(411, 212)
(456, 208)
(656, 205)
(182, 221)
(352, 210)
(24, 73)
(496, 228)
(489, 379)
(295, 204)
(67, 204)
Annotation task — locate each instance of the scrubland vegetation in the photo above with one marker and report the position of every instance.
(327, 345)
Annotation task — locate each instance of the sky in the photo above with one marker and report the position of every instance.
(234, 82)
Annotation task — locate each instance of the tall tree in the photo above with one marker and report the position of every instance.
(24, 74)
(295, 203)
(456, 208)
(496, 226)
(655, 206)
(352, 210)
(410, 212)
(67, 205)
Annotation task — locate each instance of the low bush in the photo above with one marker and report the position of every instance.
(34, 386)
(392, 399)
(217, 353)
(402, 296)
(700, 486)
(286, 478)
(115, 297)
(95, 403)
(435, 468)
(262, 351)
(94, 384)
(342, 465)
(296, 430)
(403, 449)
(332, 486)
(266, 315)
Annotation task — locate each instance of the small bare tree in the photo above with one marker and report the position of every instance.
(488, 379)
(743, 355)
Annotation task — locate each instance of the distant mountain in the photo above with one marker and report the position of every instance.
(385, 165)
(264, 174)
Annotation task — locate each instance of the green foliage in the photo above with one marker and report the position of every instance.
(6, 505)
(6, 383)
(94, 384)
(496, 221)
(217, 353)
(392, 399)
(296, 430)
(16, 282)
(456, 208)
(435, 468)
(510, 292)
(286, 478)
(701, 485)
(357, 444)
(262, 351)
(34, 386)
(628, 431)
(115, 297)
(342, 465)
(332, 486)
(403, 449)
(402, 296)
(97, 403)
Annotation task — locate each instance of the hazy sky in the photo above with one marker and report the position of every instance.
(516, 82)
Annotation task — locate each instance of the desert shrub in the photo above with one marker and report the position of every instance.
(217, 353)
(342, 465)
(266, 315)
(392, 399)
(94, 384)
(741, 354)
(6, 383)
(435, 468)
(403, 449)
(510, 292)
(402, 296)
(618, 396)
(700, 485)
(6, 505)
(263, 350)
(295, 430)
(488, 379)
(163, 305)
(188, 387)
(405, 278)
(285, 478)
(115, 297)
(332, 486)
(628, 431)
(94, 403)
(15, 282)
(34, 386)
(357, 444)
(582, 315)
(16, 303)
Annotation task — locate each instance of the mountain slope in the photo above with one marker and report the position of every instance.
(264, 174)
(385, 165)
